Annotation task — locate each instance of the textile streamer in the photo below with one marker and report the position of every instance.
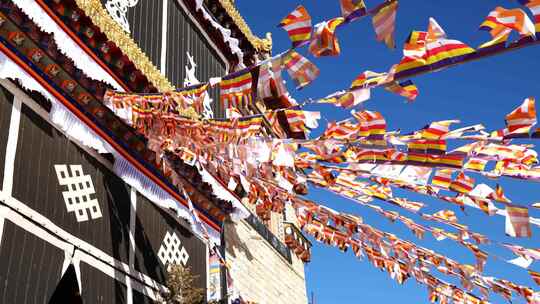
(424, 52)
(298, 26)
(446, 217)
(359, 158)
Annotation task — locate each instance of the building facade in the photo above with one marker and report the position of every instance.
(86, 212)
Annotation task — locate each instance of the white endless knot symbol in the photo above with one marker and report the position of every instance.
(118, 10)
(172, 251)
(79, 191)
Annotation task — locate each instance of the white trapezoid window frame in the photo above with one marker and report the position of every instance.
(80, 189)
(172, 252)
(118, 11)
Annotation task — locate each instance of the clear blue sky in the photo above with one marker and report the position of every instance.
(479, 92)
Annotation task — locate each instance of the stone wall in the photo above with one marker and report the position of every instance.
(259, 272)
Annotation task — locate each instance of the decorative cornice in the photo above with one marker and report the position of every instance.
(260, 44)
(115, 33)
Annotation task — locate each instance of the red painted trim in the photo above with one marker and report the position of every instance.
(100, 132)
(82, 45)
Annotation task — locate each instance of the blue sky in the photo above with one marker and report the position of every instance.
(480, 92)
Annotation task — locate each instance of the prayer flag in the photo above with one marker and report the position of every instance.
(371, 123)
(536, 133)
(195, 216)
(298, 26)
(384, 22)
(435, 31)
(301, 70)
(236, 90)
(416, 175)
(517, 221)
(270, 83)
(446, 215)
(442, 178)
(406, 89)
(521, 262)
(515, 19)
(476, 164)
(462, 183)
(425, 146)
(352, 9)
(535, 276)
(302, 121)
(533, 254)
(444, 51)
(498, 195)
(415, 46)
(522, 118)
(437, 129)
(450, 159)
(499, 40)
(499, 34)
(325, 42)
(368, 78)
(342, 131)
(273, 119)
(534, 7)
(431, 50)
(353, 98)
(534, 298)
(414, 52)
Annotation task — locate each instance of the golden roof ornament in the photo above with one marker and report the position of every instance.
(263, 45)
(115, 33)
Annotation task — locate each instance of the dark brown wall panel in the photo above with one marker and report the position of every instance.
(152, 225)
(6, 103)
(145, 20)
(36, 184)
(30, 268)
(140, 298)
(184, 36)
(99, 288)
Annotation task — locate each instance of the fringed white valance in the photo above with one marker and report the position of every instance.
(65, 44)
(133, 177)
(59, 115)
(73, 127)
(10, 70)
(240, 211)
(233, 43)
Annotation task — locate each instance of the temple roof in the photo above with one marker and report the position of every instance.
(114, 32)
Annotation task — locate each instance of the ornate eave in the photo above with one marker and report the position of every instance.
(132, 70)
(261, 45)
(116, 34)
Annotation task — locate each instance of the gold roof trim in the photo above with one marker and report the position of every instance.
(260, 44)
(114, 32)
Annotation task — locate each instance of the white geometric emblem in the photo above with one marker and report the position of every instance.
(79, 191)
(118, 10)
(172, 251)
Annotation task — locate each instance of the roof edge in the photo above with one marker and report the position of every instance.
(259, 44)
(101, 18)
